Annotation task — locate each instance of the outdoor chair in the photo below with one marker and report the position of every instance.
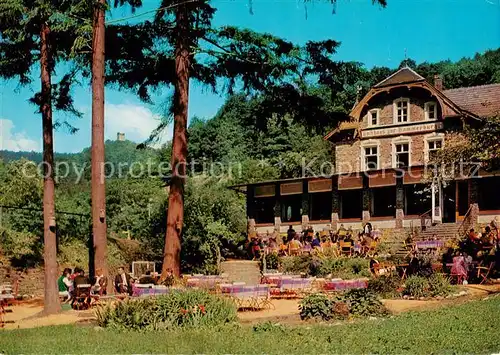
(82, 299)
(346, 248)
(483, 272)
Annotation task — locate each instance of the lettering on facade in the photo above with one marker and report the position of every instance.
(397, 130)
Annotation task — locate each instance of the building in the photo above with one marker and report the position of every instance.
(381, 171)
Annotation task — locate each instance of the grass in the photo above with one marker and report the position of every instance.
(467, 328)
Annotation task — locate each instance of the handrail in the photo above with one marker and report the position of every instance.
(462, 229)
(425, 213)
(422, 217)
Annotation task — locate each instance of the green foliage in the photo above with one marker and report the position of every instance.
(268, 326)
(215, 223)
(356, 302)
(322, 266)
(364, 303)
(316, 306)
(272, 261)
(461, 329)
(439, 285)
(416, 286)
(187, 308)
(386, 286)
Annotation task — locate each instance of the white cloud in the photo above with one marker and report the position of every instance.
(137, 122)
(15, 141)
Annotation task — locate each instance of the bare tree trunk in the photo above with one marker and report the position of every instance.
(51, 299)
(98, 178)
(175, 213)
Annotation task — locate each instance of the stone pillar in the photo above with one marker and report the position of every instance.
(305, 204)
(335, 203)
(250, 227)
(277, 208)
(250, 210)
(473, 200)
(400, 203)
(366, 200)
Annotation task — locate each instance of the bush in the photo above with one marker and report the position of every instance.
(357, 302)
(191, 308)
(365, 303)
(272, 261)
(386, 286)
(416, 286)
(316, 306)
(439, 285)
(321, 266)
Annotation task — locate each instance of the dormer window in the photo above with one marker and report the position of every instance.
(401, 110)
(430, 109)
(373, 117)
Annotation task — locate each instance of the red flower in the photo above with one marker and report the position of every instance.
(184, 311)
(202, 308)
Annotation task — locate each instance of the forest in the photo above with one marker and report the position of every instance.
(267, 134)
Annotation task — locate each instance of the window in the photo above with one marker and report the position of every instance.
(373, 116)
(371, 158)
(433, 146)
(430, 109)
(402, 155)
(402, 111)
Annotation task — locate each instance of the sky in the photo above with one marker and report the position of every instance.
(426, 30)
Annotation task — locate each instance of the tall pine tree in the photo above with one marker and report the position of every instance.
(39, 34)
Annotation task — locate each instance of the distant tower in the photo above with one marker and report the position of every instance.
(120, 136)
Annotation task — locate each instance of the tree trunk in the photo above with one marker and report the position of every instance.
(98, 177)
(175, 213)
(51, 299)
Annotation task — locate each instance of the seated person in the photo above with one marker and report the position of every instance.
(316, 243)
(101, 283)
(147, 279)
(326, 243)
(342, 231)
(65, 284)
(255, 249)
(80, 278)
(295, 245)
(123, 282)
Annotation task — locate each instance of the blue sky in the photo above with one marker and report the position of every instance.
(428, 30)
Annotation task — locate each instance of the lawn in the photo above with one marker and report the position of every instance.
(468, 328)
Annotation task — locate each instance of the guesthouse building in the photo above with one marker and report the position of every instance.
(382, 173)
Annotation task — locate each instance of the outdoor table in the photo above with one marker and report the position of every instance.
(429, 244)
(151, 291)
(340, 285)
(210, 281)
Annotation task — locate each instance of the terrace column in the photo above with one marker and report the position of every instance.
(250, 211)
(335, 203)
(366, 200)
(277, 208)
(305, 204)
(473, 200)
(399, 202)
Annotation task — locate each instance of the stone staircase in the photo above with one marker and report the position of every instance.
(443, 231)
(242, 271)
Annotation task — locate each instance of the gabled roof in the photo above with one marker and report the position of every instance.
(483, 101)
(402, 76)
